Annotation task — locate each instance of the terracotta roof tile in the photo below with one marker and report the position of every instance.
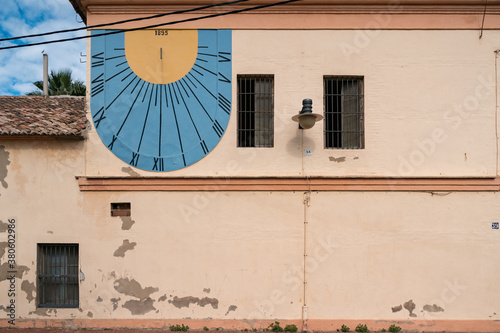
(40, 116)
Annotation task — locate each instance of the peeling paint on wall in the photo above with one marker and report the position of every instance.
(139, 307)
(3, 248)
(133, 288)
(231, 308)
(130, 172)
(29, 289)
(397, 308)
(338, 159)
(3, 226)
(4, 161)
(126, 246)
(410, 306)
(433, 308)
(127, 222)
(43, 312)
(186, 301)
(115, 301)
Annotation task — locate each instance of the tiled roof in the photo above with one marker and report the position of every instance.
(40, 116)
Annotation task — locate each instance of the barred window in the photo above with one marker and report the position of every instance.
(57, 275)
(255, 110)
(344, 121)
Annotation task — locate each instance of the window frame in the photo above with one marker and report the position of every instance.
(59, 289)
(249, 133)
(336, 136)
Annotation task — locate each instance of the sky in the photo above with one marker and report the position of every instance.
(19, 68)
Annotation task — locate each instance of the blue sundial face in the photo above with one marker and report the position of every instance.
(157, 102)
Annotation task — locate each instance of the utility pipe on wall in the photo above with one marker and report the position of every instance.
(306, 202)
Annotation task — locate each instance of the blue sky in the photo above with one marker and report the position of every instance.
(20, 67)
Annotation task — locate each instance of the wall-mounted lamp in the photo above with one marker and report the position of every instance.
(306, 118)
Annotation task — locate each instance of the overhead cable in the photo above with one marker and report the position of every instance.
(152, 25)
(123, 21)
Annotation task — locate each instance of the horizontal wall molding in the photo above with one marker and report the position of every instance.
(311, 14)
(289, 184)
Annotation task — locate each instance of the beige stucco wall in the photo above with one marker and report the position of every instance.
(239, 255)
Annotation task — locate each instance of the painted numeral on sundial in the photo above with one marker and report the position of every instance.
(135, 159)
(99, 113)
(204, 147)
(97, 85)
(224, 79)
(224, 104)
(224, 56)
(158, 164)
(110, 146)
(98, 59)
(218, 129)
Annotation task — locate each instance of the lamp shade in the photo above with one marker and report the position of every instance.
(306, 118)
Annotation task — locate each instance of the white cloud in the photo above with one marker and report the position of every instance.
(20, 67)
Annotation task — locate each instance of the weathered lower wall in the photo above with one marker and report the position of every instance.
(236, 259)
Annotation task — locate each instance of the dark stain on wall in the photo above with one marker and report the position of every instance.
(338, 160)
(144, 304)
(90, 314)
(30, 289)
(126, 246)
(127, 222)
(397, 308)
(4, 268)
(206, 290)
(130, 172)
(4, 161)
(186, 301)
(139, 307)
(99, 299)
(410, 306)
(3, 248)
(43, 312)
(433, 308)
(115, 301)
(3, 226)
(133, 288)
(231, 308)
(162, 298)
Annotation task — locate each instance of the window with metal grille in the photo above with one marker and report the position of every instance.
(344, 100)
(255, 110)
(57, 275)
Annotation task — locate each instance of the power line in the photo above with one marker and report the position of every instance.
(152, 26)
(124, 21)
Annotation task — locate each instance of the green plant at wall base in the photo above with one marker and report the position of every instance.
(394, 329)
(291, 328)
(344, 329)
(361, 328)
(179, 328)
(205, 328)
(275, 327)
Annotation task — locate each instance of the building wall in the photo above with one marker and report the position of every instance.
(426, 95)
(235, 259)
